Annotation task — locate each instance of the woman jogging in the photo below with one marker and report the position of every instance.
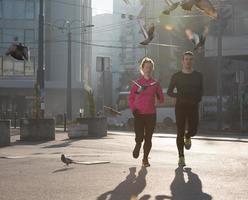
(142, 100)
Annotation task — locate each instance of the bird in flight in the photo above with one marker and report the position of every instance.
(198, 40)
(149, 35)
(171, 6)
(112, 111)
(126, 1)
(18, 51)
(203, 5)
(206, 7)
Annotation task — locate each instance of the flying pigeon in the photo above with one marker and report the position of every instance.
(18, 51)
(206, 7)
(65, 160)
(197, 40)
(126, 1)
(172, 6)
(149, 35)
(112, 111)
(187, 4)
(203, 5)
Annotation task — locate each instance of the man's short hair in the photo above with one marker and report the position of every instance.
(189, 53)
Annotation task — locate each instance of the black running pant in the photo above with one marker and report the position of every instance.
(144, 125)
(187, 114)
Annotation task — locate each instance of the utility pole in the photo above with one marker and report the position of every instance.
(103, 84)
(40, 70)
(225, 13)
(68, 88)
(219, 75)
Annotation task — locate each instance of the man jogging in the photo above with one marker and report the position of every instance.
(189, 87)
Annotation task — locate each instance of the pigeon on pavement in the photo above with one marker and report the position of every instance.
(65, 160)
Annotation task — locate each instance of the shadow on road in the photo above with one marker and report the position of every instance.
(20, 142)
(66, 142)
(63, 169)
(216, 138)
(190, 190)
(130, 188)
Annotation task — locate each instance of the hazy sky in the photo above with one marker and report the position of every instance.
(103, 6)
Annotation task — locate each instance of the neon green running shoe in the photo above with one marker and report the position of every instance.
(181, 161)
(187, 143)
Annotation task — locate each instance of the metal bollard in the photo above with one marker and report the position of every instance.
(65, 121)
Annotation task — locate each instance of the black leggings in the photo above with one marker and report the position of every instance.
(186, 114)
(144, 125)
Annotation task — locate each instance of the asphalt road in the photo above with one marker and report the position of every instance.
(216, 169)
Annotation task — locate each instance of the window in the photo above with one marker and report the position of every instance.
(18, 68)
(1, 8)
(12, 67)
(37, 9)
(7, 67)
(241, 20)
(1, 66)
(29, 67)
(242, 25)
(10, 34)
(1, 35)
(30, 9)
(28, 36)
(19, 9)
(8, 11)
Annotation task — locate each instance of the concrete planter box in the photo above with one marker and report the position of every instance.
(4, 133)
(77, 130)
(37, 129)
(97, 126)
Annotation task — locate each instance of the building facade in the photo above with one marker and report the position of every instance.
(103, 54)
(17, 78)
